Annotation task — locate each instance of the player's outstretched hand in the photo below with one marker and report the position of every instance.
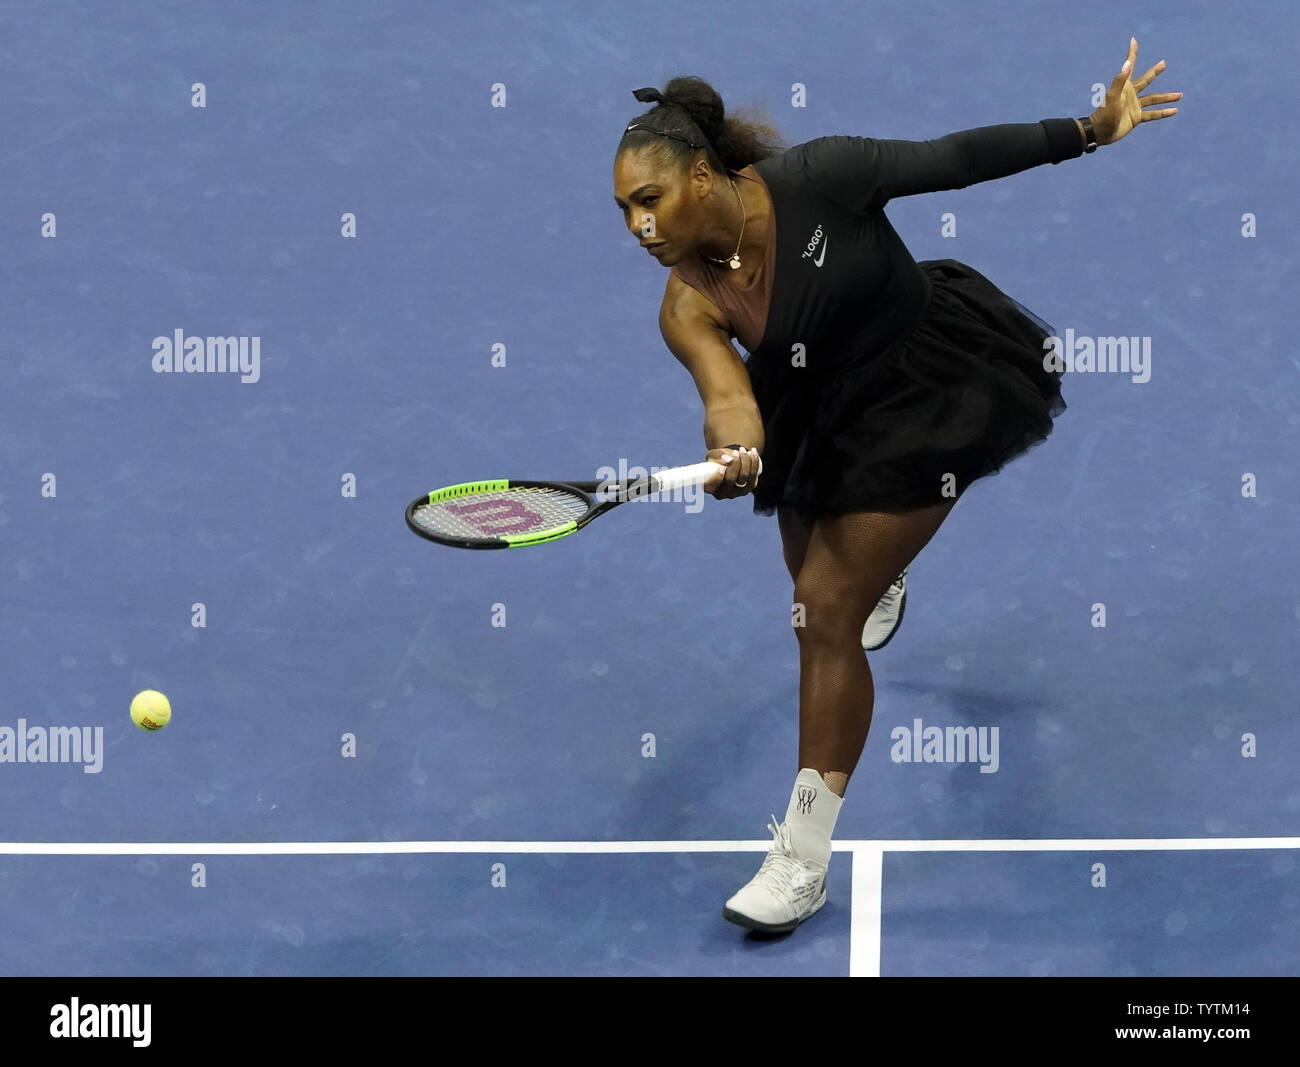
(740, 476)
(1123, 107)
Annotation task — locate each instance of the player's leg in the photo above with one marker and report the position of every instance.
(849, 564)
(884, 620)
(844, 565)
(795, 532)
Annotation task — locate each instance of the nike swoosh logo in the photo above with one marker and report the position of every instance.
(825, 241)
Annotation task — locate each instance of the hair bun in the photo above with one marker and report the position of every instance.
(701, 101)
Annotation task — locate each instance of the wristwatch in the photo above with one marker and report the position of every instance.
(1090, 134)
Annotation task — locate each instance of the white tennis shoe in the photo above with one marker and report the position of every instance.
(785, 892)
(888, 614)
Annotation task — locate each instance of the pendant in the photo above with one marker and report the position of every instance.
(734, 262)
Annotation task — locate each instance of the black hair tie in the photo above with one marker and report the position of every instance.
(649, 95)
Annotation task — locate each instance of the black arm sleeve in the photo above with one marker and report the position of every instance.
(863, 173)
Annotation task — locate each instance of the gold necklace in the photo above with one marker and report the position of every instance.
(734, 261)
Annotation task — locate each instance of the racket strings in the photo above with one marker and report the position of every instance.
(514, 511)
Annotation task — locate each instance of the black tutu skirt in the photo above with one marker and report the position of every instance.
(961, 394)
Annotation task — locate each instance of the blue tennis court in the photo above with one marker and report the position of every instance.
(388, 757)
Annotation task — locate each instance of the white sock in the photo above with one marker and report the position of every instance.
(811, 814)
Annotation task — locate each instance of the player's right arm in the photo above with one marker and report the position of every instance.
(695, 332)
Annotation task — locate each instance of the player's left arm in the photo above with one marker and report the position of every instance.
(864, 173)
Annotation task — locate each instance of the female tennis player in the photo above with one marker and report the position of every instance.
(876, 388)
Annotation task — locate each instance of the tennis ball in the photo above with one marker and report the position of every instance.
(150, 710)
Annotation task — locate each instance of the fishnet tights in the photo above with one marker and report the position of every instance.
(841, 568)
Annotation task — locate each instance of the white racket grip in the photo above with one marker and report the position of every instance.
(694, 474)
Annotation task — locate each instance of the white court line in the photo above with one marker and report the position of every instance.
(864, 913)
(354, 848)
(1111, 844)
(868, 860)
(343, 848)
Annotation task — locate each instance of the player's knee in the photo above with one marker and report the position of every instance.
(822, 618)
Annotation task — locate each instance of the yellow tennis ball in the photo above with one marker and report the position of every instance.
(151, 710)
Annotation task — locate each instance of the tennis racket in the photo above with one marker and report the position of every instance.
(505, 513)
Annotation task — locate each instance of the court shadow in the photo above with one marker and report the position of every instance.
(967, 701)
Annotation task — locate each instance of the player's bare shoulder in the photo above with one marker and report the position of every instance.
(686, 308)
(698, 334)
(688, 316)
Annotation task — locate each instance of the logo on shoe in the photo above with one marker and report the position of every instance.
(806, 796)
